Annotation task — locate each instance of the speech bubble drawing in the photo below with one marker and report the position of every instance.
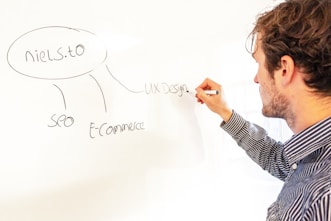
(56, 52)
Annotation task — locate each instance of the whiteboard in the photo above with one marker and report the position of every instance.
(96, 123)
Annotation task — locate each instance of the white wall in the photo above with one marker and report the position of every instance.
(181, 165)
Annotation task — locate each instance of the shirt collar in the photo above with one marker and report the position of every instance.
(308, 141)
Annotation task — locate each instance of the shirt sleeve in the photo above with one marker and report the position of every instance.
(261, 148)
(320, 210)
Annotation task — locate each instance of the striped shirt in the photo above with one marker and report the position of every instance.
(303, 163)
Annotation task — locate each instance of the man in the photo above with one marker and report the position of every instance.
(293, 52)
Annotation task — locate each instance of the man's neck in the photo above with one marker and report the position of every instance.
(308, 112)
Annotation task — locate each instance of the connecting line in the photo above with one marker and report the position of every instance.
(64, 100)
(121, 82)
(103, 96)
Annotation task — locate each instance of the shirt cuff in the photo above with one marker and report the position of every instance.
(234, 124)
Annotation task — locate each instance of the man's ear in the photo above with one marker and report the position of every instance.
(287, 70)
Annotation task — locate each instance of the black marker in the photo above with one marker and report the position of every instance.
(208, 92)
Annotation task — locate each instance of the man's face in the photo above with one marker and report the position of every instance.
(274, 103)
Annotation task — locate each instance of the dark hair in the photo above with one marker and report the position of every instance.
(302, 30)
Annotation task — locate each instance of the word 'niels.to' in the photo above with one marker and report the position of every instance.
(106, 129)
(58, 54)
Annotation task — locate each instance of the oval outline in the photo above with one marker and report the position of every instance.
(53, 27)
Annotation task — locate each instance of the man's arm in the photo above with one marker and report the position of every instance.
(264, 150)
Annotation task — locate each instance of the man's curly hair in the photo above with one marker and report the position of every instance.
(302, 30)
